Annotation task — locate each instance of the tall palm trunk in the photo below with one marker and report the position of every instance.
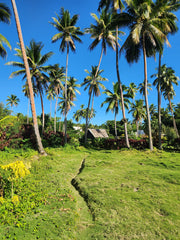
(159, 104)
(35, 124)
(28, 111)
(121, 91)
(137, 127)
(87, 114)
(87, 117)
(146, 97)
(115, 127)
(42, 106)
(55, 110)
(174, 122)
(65, 118)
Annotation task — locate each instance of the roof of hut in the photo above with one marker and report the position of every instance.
(98, 133)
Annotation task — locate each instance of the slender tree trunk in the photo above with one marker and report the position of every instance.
(86, 129)
(146, 98)
(159, 104)
(137, 127)
(115, 127)
(42, 106)
(55, 114)
(121, 91)
(28, 111)
(50, 108)
(35, 124)
(65, 118)
(174, 122)
(92, 107)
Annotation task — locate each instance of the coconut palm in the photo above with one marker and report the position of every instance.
(93, 83)
(165, 10)
(56, 78)
(28, 75)
(113, 100)
(68, 33)
(146, 34)
(167, 88)
(138, 112)
(5, 15)
(12, 100)
(72, 88)
(132, 90)
(142, 88)
(102, 32)
(117, 5)
(27, 94)
(36, 63)
(50, 93)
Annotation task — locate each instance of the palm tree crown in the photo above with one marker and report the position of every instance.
(5, 15)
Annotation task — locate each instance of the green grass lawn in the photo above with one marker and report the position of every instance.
(124, 195)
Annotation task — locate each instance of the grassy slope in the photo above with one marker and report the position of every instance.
(130, 194)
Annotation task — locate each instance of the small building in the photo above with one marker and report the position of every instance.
(97, 133)
(77, 128)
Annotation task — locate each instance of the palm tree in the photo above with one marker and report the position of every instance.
(28, 75)
(145, 34)
(165, 10)
(93, 82)
(167, 88)
(36, 63)
(132, 90)
(138, 112)
(117, 5)
(113, 100)
(103, 32)
(72, 88)
(5, 15)
(56, 76)
(12, 100)
(26, 93)
(50, 93)
(142, 88)
(68, 33)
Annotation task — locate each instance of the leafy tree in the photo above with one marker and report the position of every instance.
(81, 113)
(4, 111)
(132, 90)
(68, 33)
(28, 75)
(5, 15)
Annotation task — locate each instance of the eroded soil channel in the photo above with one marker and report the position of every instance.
(82, 193)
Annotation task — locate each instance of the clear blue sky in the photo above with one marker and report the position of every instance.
(35, 17)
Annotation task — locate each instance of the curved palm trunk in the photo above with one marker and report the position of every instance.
(159, 104)
(92, 105)
(87, 122)
(146, 98)
(42, 106)
(65, 118)
(35, 124)
(121, 91)
(174, 122)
